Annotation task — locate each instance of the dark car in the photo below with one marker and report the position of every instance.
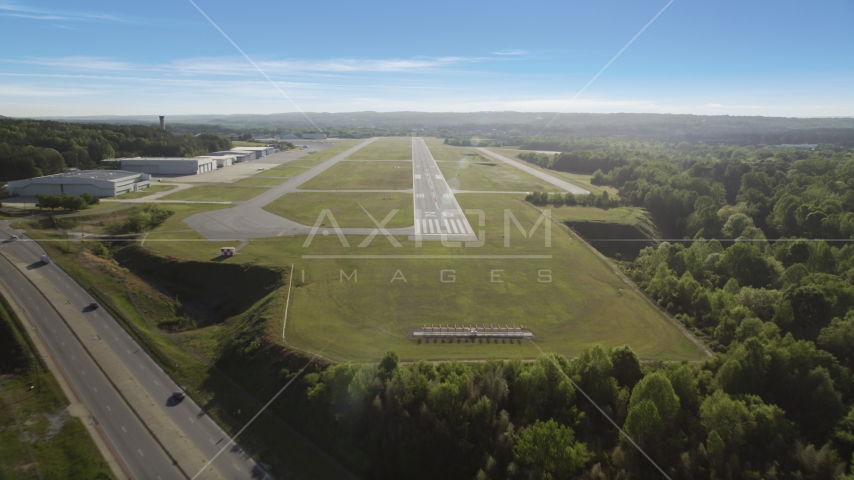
(93, 305)
(178, 395)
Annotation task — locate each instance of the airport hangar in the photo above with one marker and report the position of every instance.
(100, 183)
(178, 166)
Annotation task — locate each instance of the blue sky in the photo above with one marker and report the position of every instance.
(771, 58)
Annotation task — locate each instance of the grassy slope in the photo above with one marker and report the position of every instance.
(305, 207)
(582, 180)
(146, 192)
(363, 176)
(66, 453)
(622, 215)
(216, 194)
(385, 149)
(210, 386)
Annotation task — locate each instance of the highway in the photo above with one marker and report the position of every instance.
(437, 213)
(135, 445)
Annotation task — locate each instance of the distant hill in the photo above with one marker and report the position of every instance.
(691, 128)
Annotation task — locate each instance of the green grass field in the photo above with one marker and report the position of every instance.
(303, 162)
(442, 152)
(306, 207)
(212, 193)
(60, 444)
(363, 176)
(582, 180)
(265, 181)
(395, 148)
(585, 304)
(330, 152)
(285, 170)
(145, 193)
(482, 176)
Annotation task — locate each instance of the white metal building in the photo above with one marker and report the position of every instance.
(168, 166)
(100, 183)
(239, 157)
(222, 160)
(251, 153)
(314, 136)
(262, 151)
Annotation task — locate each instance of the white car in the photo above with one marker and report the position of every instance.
(13, 237)
(45, 259)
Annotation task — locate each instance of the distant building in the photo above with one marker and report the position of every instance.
(222, 161)
(289, 136)
(239, 157)
(168, 165)
(262, 151)
(314, 136)
(100, 183)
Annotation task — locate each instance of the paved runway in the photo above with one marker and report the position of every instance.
(566, 186)
(249, 220)
(437, 214)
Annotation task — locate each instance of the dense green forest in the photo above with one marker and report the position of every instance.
(31, 148)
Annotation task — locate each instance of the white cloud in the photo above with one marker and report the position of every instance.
(14, 90)
(237, 66)
(8, 9)
(515, 51)
(81, 63)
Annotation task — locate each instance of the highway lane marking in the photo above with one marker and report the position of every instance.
(123, 429)
(54, 330)
(83, 372)
(191, 419)
(96, 390)
(140, 452)
(108, 408)
(156, 382)
(235, 466)
(72, 358)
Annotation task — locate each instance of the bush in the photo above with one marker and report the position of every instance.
(149, 218)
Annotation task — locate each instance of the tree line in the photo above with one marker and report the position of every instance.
(32, 148)
(66, 201)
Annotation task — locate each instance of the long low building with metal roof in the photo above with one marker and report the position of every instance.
(168, 165)
(100, 183)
